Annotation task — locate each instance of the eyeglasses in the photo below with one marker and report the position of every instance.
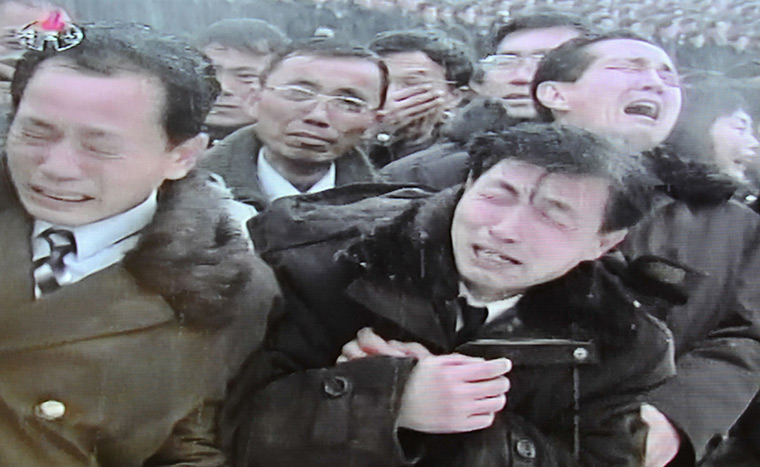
(507, 61)
(342, 104)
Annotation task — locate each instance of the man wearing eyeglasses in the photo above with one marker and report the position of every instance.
(515, 49)
(310, 121)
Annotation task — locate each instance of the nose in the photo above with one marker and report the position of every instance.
(508, 228)
(317, 114)
(752, 142)
(60, 162)
(523, 72)
(650, 80)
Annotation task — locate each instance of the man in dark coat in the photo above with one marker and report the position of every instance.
(311, 122)
(428, 71)
(621, 85)
(517, 247)
(130, 295)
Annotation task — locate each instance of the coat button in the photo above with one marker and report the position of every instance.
(526, 449)
(336, 386)
(50, 410)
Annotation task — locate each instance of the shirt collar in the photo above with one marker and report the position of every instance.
(274, 185)
(495, 308)
(94, 237)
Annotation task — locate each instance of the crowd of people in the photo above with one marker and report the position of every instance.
(529, 240)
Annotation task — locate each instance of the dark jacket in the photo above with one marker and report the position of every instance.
(137, 354)
(717, 333)
(386, 262)
(235, 158)
(438, 167)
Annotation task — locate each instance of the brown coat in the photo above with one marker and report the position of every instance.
(136, 356)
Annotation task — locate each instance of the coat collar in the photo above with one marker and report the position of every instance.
(189, 232)
(236, 159)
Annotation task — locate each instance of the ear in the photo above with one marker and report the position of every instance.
(550, 94)
(607, 241)
(184, 156)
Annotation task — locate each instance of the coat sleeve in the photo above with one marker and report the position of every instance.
(344, 415)
(193, 442)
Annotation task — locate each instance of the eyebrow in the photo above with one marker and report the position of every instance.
(31, 120)
(639, 61)
(562, 206)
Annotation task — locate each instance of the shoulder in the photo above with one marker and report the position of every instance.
(439, 166)
(197, 256)
(348, 211)
(354, 167)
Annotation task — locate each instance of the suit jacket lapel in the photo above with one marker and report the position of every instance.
(108, 302)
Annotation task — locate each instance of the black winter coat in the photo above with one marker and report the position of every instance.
(386, 262)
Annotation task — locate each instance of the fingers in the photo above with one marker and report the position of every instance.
(350, 351)
(411, 349)
(372, 344)
(477, 369)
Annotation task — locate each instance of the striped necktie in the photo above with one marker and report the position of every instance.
(61, 243)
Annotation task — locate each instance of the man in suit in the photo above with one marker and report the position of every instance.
(129, 294)
(311, 122)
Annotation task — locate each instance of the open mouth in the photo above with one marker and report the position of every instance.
(494, 256)
(644, 108)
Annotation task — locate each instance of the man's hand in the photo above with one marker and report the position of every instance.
(662, 440)
(368, 343)
(408, 108)
(454, 394)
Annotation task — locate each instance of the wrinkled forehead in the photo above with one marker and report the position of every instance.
(629, 50)
(560, 182)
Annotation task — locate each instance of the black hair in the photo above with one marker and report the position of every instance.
(331, 48)
(569, 61)
(453, 55)
(542, 19)
(570, 150)
(189, 86)
(245, 34)
(704, 102)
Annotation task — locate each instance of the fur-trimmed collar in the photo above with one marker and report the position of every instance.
(689, 181)
(192, 253)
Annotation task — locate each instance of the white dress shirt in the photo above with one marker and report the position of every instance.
(495, 308)
(276, 186)
(99, 244)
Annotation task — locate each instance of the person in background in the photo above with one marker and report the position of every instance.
(311, 122)
(715, 128)
(504, 75)
(513, 52)
(428, 71)
(240, 49)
